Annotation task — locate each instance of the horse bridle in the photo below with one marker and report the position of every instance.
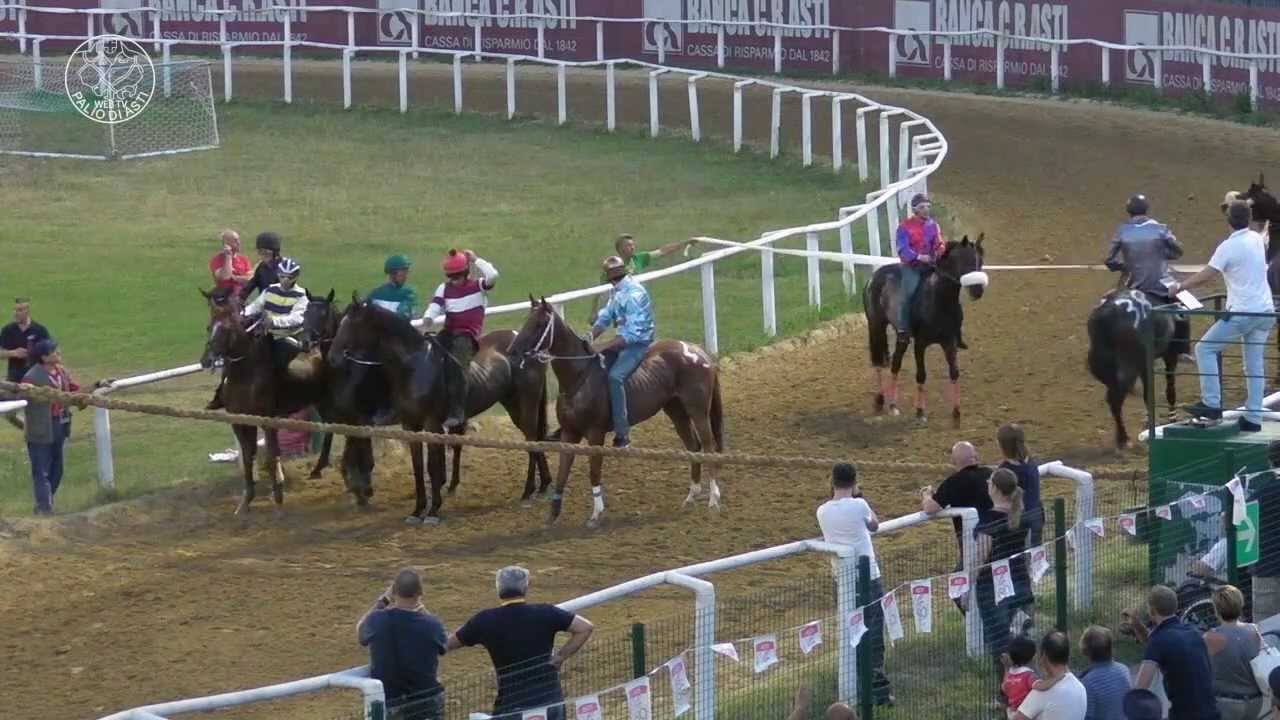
(226, 360)
(541, 351)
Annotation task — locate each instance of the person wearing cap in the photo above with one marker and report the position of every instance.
(637, 261)
(457, 309)
(631, 311)
(281, 309)
(1143, 247)
(266, 273)
(1241, 262)
(230, 268)
(48, 423)
(395, 295)
(919, 243)
(1142, 704)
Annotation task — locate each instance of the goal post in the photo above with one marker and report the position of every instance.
(38, 118)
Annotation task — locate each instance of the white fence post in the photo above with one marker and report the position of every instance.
(775, 125)
(288, 59)
(720, 46)
(1253, 85)
(972, 620)
(710, 336)
(835, 52)
(767, 296)
(102, 441)
(1106, 66)
(814, 271)
(155, 28)
(351, 29)
(905, 157)
(653, 102)
(1159, 78)
(864, 166)
(88, 27)
(346, 79)
(873, 226)
(1000, 61)
(893, 55)
(610, 99)
(511, 88)
(226, 73)
(415, 37)
(542, 41)
(837, 133)
(37, 67)
(695, 121)
(562, 110)
(1054, 73)
(777, 51)
(22, 26)
(662, 50)
(846, 570)
(886, 169)
(806, 127)
(1205, 73)
(704, 630)
(404, 81)
(737, 113)
(849, 275)
(946, 58)
(600, 41)
(457, 84)
(477, 40)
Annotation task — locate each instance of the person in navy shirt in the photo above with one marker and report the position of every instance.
(405, 644)
(1179, 652)
(1013, 445)
(520, 637)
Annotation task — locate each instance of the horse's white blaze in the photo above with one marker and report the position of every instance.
(977, 277)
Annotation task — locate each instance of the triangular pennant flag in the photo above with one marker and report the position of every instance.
(639, 701)
(1164, 511)
(857, 627)
(922, 605)
(539, 714)
(1197, 502)
(588, 707)
(681, 688)
(957, 585)
(726, 649)
(892, 618)
(766, 652)
(1238, 510)
(810, 636)
(1095, 526)
(1039, 563)
(1129, 523)
(1003, 579)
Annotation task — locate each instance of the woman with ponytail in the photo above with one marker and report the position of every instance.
(1013, 445)
(1002, 536)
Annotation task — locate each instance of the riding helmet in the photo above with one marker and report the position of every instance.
(1138, 205)
(455, 262)
(396, 262)
(614, 267)
(289, 267)
(268, 241)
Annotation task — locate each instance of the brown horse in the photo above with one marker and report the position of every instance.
(676, 377)
(389, 342)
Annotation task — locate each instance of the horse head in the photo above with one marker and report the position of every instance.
(1264, 203)
(546, 333)
(320, 322)
(369, 331)
(962, 262)
(228, 339)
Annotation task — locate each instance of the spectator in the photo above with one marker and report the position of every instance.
(847, 519)
(519, 637)
(48, 424)
(230, 268)
(1232, 647)
(1018, 675)
(1105, 681)
(635, 262)
(966, 487)
(1179, 652)
(1140, 704)
(1013, 444)
(405, 644)
(1266, 572)
(266, 273)
(835, 711)
(1001, 537)
(1059, 696)
(16, 341)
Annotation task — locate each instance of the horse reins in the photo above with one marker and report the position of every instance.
(539, 354)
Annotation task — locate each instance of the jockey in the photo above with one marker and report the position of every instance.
(282, 307)
(1143, 248)
(458, 307)
(919, 243)
(395, 295)
(630, 310)
(265, 274)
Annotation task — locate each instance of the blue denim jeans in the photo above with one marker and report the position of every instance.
(910, 280)
(1253, 331)
(628, 360)
(46, 467)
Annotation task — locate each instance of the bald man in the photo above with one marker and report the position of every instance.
(230, 269)
(966, 487)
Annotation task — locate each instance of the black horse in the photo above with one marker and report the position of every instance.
(936, 318)
(1117, 356)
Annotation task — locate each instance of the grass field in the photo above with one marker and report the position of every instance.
(113, 253)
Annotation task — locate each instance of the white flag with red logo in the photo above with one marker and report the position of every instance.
(1003, 579)
(1095, 526)
(857, 627)
(1129, 523)
(539, 714)
(1238, 510)
(1164, 511)
(639, 702)
(1039, 563)
(588, 707)
(726, 649)
(681, 688)
(810, 636)
(957, 585)
(766, 651)
(922, 605)
(892, 618)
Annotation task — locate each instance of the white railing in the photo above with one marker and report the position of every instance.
(921, 150)
(693, 578)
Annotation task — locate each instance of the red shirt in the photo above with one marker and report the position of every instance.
(1017, 685)
(463, 307)
(239, 266)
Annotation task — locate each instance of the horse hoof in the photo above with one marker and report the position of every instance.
(413, 520)
(879, 402)
(451, 490)
(714, 507)
(315, 475)
(894, 411)
(594, 523)
(243, 508)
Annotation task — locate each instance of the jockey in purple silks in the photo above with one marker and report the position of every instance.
(919, 244)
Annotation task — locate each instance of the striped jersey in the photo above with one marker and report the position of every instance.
(462, 305)
(282, 309)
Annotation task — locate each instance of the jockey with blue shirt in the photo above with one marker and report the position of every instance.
(1143, 247)
(629, 309)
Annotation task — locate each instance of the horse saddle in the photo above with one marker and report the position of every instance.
(425, 368)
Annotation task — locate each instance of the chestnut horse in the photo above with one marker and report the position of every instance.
(675, 377)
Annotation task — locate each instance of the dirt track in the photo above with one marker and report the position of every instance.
(172, 598)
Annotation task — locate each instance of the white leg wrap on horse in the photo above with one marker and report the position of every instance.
(695, 492)
(597, 500)
(715, 494)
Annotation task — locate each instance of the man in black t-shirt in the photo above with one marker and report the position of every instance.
(16, 340)
(966, 487)
(405, 644)
(519, 637)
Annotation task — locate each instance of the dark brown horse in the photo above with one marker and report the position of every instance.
(936, 318)
(1117, 355)
(389, 342)
(675, 377)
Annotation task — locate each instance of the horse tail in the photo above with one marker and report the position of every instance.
(877, 330)
(1108, 341)
(716, 415)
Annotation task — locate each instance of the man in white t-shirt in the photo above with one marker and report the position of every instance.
(1059, 695)
(1241, 261)
(847, 519)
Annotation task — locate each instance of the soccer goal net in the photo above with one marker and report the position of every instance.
(39, 117)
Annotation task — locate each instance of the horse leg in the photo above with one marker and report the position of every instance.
(684, 429)
(456, 475)
(419, 484)
(323, 461)
(1115, 401)
(436, 469)
(706, 438)
(895, 366)
(595, 463)
(570, 437)
(878, 338)
(1170, 384)
(277, 474)
(527, 420)
(922, 391)
(953, 388)
(247, 437)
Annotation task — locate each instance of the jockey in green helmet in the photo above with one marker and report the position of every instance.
(396, 295)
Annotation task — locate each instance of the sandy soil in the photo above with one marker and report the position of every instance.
(170, 597)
